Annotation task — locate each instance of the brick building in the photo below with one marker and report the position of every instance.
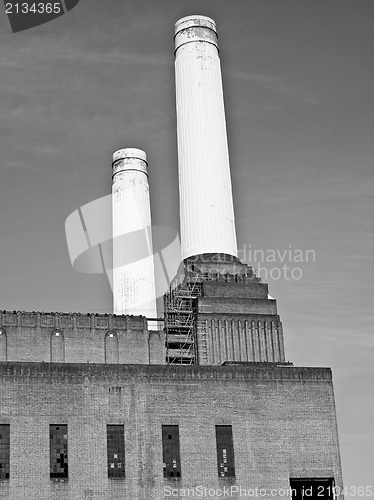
(97, 406)
(100, 406)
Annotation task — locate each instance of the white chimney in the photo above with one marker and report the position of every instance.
(133, 267)
(206, 206)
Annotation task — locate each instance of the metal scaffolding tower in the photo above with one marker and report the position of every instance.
(180, 309)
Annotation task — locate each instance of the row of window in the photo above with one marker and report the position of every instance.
(59, 464)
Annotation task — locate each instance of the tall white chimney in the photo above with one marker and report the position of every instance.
(206, 206)
(133, 267)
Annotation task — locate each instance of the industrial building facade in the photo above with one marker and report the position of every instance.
(107, 406)
(98, 406)
(111, 420)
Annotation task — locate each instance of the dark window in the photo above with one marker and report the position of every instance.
(58, 451)
(116, 450)
(4, 451)
(312, 488)
(225, 451)
(170, 451)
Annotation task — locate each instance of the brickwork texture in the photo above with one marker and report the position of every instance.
(283, 423)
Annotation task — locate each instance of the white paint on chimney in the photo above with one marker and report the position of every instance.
(206, 205)
(133, 267)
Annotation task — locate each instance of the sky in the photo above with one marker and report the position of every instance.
(298, 83)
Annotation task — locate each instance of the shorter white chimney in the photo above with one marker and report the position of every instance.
(133, 267)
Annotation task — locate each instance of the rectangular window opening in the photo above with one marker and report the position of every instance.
(225, 451)
(312, 488)
(4, 451)
(116, 451)
(171, 451)
(58, 449)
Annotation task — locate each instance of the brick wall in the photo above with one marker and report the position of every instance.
(283, 421)
(238, 322)
(31, 337)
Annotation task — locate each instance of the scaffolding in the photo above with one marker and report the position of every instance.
(180, 309)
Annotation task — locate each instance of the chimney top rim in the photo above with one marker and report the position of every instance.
(195, 21)
(135, 153)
